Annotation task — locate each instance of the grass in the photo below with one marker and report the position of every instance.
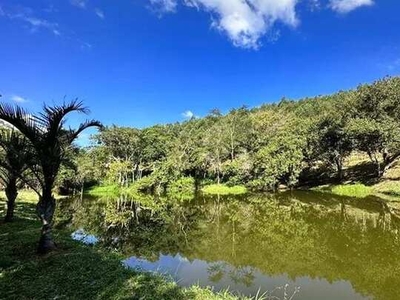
(389, 190)
(357, 190)
(104, 190)
(221, 189)
(76, 271)
(361, 181)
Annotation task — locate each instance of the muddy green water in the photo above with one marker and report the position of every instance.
(329, 247)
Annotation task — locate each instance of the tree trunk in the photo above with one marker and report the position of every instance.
(11, 193)
(388, 161)
(378, 169)
(45, 210)
(372, 155)
(82, 189)
(339, 167)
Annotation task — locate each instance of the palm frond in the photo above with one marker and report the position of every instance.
(20, 119)
(73, 134)
(52, 117)
(4, 176)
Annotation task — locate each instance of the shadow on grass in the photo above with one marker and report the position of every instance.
(364, 173)
(391, 193)
(23, 209)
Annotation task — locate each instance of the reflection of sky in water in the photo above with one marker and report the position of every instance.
(247, 280)
(82, 236)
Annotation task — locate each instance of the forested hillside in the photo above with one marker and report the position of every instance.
(276, 144)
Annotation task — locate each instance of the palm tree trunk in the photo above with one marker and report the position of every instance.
(45, 210)
(11, 193)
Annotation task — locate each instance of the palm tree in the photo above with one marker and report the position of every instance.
(15, 157)
(50, 140)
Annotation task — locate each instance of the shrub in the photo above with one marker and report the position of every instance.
(182, 185)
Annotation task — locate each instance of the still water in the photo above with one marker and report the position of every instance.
(306, 244)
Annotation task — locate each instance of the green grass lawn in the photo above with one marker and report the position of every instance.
(74, 271)
(222, 189)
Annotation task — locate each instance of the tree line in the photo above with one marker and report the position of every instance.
(262, 148)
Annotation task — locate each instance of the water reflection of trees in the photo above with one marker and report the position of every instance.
(300, 234)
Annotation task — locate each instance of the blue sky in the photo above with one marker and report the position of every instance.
(141, 62)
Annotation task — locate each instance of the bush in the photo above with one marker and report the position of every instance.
(144, 184)
(182, 185)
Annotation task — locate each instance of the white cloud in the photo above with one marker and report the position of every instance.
(99, 13)
(345, 6)
(245, 22)
(18, 99)
(188, 114)
(79, 3)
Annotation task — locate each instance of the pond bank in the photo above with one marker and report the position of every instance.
(74, 271)
(386, 189)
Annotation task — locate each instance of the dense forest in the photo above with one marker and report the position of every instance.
(263, 148)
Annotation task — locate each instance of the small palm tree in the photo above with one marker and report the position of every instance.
(14, 162)
(50, 141)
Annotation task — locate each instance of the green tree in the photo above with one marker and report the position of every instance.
(334, 142)
(375, 124)
(15, 159)
(50, 141)
(122, 145)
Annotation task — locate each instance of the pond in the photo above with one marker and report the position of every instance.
(306, 244)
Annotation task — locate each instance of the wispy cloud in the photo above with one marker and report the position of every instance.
(99, 13)
(85, 45)
(34, 21)
(83, 4)
(345, 6)
(164, 6)
(314, 5)
(79, 3)
(188, 114)
(37, 23)
(392, 65)
(50, 9)
(18, 99)
(26, 15)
